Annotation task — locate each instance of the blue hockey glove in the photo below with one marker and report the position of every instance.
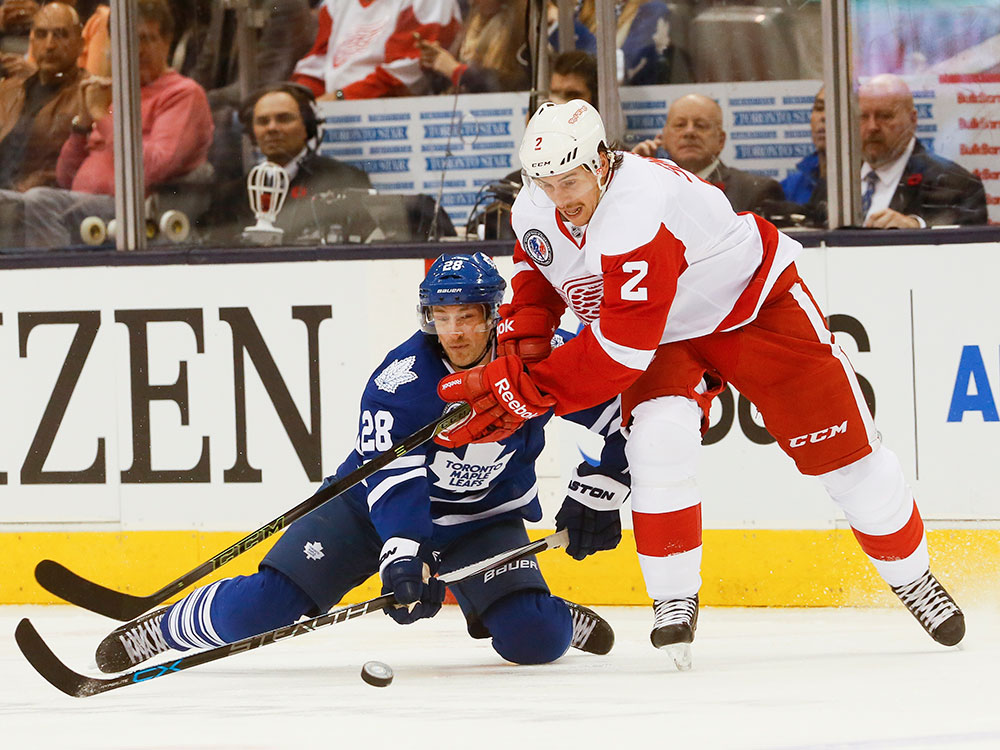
(590, 512)
(410, 579)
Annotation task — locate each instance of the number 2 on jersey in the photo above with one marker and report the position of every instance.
(630, 289)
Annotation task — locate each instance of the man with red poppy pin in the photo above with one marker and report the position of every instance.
(280, 119)
(903, 185)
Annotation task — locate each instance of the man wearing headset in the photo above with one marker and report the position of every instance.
(281, 121)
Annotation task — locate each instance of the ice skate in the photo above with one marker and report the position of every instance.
(132, 643)
(934, 609)
(591, 632)
(673, 628)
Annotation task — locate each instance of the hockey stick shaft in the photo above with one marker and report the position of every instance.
(64, 583)
(49, 666)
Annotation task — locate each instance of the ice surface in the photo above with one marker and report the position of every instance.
(762, 678)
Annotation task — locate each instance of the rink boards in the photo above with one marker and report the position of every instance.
(155, 414)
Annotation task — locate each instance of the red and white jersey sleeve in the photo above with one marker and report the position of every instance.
(663, 259)
(365, 48)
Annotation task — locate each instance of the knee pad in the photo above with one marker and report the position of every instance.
(248, 605)
(529, 627)
(663, 440)
(662, 452)
(872, 492)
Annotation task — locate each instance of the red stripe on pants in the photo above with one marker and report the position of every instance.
(895, 546)
(665, 534)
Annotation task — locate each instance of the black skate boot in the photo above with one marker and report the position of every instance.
(673, 628)
(591, 632)
(934, 609)
(132, 643)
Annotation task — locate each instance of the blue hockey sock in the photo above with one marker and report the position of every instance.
(529, 627)
(233, 609)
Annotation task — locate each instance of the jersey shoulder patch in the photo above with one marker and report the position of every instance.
(396, 373)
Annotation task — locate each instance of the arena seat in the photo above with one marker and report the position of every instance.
(744, 43)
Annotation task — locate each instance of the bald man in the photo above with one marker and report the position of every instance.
(693, 138)
(37, 105)
(903, 185)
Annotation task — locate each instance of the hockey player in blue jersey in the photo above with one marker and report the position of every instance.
(437, 507)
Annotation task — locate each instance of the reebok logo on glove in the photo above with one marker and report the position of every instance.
(514, 406)
(505, 327)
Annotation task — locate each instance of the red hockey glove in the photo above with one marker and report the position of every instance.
(526, 333)
(502, 398)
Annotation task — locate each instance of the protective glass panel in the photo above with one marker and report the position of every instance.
(929, 105)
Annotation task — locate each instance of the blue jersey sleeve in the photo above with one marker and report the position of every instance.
(400, 398)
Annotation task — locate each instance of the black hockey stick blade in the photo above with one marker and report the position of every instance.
(49, 666)
(59, 580)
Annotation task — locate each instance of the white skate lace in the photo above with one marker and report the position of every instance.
(674, 612)
(583, 626)
(927, 600)
(143, 640)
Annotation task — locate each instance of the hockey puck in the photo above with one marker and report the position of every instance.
(376, 673)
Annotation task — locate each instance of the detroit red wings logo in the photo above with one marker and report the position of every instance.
(583, 295)
(358, 42)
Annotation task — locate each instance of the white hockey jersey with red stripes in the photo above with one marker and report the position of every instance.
(365, 48)
(664, 258)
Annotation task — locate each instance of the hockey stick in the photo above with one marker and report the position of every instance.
(49, 666)
(64, 583)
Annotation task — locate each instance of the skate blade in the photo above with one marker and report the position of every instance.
(680, 653)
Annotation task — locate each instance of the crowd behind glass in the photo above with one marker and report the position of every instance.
(202, 134)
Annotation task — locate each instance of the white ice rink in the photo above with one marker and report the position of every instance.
(762, 678)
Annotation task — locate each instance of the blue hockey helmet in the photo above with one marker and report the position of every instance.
(461, 280)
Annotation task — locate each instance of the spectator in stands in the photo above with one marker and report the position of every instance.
(800, 184)
(693, 138)
(574, 76)
(176, 134)
(642, 39)
(583, 38)
(369, 50)
(36, 108)
(491, 52)
(281, 121)
(903, 185)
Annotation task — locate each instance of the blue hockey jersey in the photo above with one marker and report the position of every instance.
(436, 494)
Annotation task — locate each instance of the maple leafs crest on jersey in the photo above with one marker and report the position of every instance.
(399, 372)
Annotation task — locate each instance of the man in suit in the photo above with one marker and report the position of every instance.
(903, 185)
(693, 138)
(281, 121)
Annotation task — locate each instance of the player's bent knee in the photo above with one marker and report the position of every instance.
(529, 627)
(873, 487)
(249, 605)
(664, 441)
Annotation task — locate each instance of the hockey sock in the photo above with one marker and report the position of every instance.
(233, 609)
(529, 627)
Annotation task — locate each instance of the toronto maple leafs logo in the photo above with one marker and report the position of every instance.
(313, 550)
(537, 246)
(474, 472)
(398, 373)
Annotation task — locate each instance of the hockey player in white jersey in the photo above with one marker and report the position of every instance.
(437, 505)
(682, 295)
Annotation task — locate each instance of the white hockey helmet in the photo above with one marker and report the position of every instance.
(561, 137)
